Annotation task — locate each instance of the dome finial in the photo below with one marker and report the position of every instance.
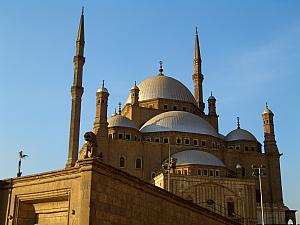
(102, 83)
(267, 105)
(135, 83)
(196, 30)
(211, 93)
(238, 122)
(161, 68)
(115, 112)
(120, 104)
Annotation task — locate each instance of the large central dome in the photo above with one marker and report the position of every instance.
(161, 86)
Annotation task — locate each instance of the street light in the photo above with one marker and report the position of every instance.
(168, 165)
(257, 171)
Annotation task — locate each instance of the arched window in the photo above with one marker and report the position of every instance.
(138, 163)
(122, 162)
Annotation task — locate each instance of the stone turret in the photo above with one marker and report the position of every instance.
(134, 92)
(100, 124)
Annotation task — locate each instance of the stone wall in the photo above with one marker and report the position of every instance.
(93, 193)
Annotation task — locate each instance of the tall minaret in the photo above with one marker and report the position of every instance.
(198, 76)
(76, 92)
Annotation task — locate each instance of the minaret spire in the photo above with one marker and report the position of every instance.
(198, 76)
(197, 55)
(76, 92)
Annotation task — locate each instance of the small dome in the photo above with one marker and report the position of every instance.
(121, 121)
(134, 87)
(267, 111)
(102, 88)
(179, 121)
(163, 87)
(196, 157)
(211, 98)
(239, 135)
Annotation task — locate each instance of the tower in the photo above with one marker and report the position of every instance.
(100, 124)
(273, 157)
(212, 112)
(76, 93)
(269, 133)
(211, 105)
(198, 76)
(134, 92)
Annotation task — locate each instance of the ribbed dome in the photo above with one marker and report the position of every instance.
(240, 134)
(196, 157)
(179, 121)
(163, 87)
(121, 121)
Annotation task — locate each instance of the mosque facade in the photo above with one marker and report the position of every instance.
(164, 136)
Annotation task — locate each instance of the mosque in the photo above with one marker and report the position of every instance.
(163, 146)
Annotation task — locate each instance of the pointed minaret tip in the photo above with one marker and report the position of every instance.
(80, 36)
(197, 55)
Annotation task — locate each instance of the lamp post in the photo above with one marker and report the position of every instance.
(168, 165)
(257, 171)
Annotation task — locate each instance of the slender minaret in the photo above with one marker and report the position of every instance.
(76, 92)
(198, 76)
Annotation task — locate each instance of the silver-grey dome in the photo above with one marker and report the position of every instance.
(196, 157)
(179, 121)
(240, 134)
(163, 87)
(121, 121)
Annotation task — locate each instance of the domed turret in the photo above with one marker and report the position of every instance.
(100, 124)
(134, 92)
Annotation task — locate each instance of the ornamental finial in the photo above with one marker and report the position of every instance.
(161, 68)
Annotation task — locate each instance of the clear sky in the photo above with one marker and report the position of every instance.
(250, 52)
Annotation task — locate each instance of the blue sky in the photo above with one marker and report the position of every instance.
(250, 52)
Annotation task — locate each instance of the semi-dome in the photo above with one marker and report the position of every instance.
(239, 135)
(121, 121)
(196, 157)
(165, 87)
(179, 121)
